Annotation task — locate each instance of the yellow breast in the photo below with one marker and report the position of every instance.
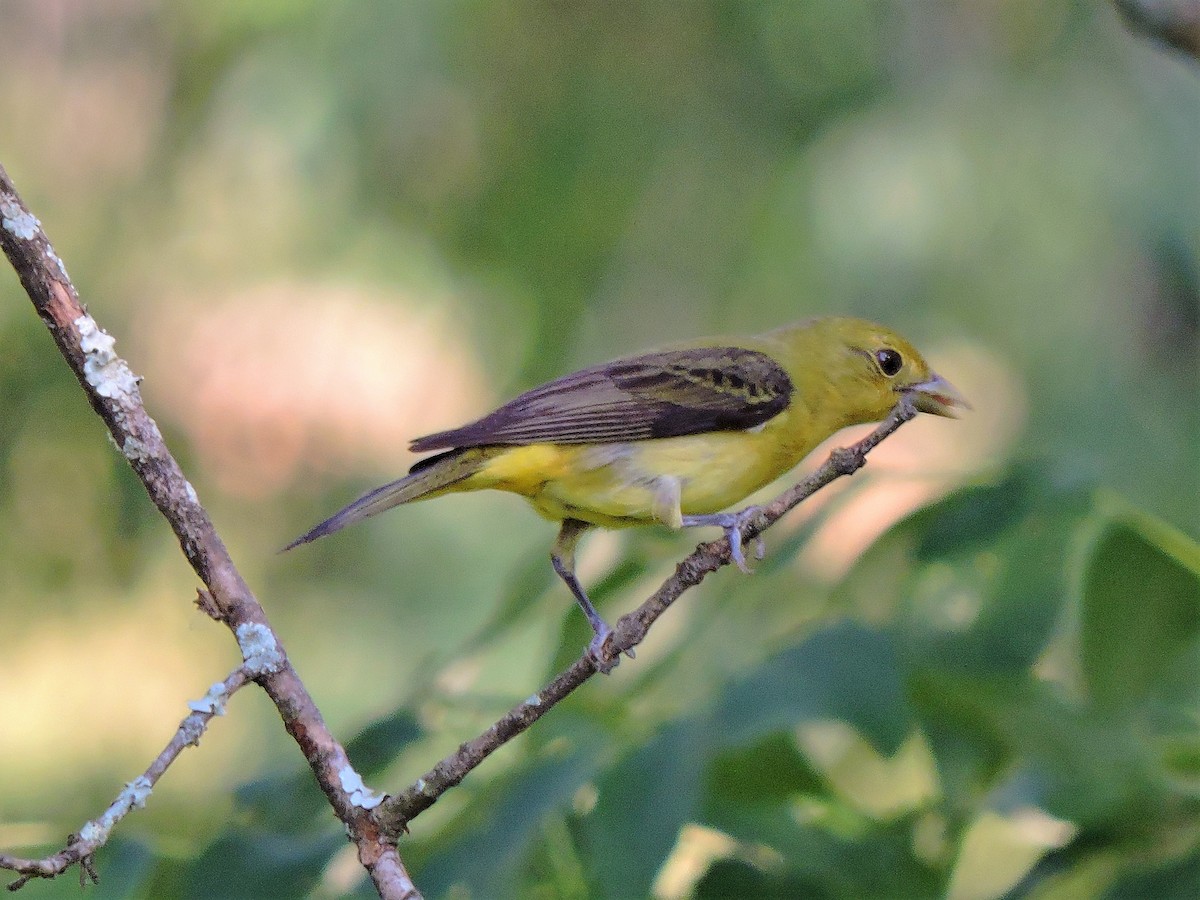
(615, 485)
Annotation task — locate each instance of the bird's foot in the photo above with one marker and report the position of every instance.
(599, 654)
(599, 657)
(733, 523)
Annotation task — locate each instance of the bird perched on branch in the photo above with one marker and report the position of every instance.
(672, 436)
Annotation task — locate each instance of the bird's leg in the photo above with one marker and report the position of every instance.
(733, 523)
(668, 494)
(562, 557)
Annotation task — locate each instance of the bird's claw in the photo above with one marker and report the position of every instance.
(597, 651)
(733, 532)
(733, 523)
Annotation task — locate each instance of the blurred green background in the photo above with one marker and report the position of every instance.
(320, 229)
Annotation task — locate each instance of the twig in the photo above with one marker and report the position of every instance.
(112, 389)
(373, 825)
(94, 833)
(396, 812)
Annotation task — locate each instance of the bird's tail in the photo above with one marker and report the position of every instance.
(428, 478)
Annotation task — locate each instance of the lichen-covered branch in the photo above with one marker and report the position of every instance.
(112, 389)
(94, 833)
(396, 812)
(374, 823)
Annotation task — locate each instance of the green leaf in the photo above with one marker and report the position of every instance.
(846, 671)
(1180, 758)
(1178, 880)
(978, 517)
(484, 849)
(375, 747)
(735, 878)
(978, 579)
(254, 863)
(642, 803)
(1052, 753)
(1140, 608)
(993, 606)
(879, 864)
(772, 770)
(753, 793)
(286, 802)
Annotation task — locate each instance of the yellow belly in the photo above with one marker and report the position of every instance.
(615, 485)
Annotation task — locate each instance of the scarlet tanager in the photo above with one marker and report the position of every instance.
(671, 436)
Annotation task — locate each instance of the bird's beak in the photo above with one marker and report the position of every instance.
(937, 396)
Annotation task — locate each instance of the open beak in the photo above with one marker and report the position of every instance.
(937, 396)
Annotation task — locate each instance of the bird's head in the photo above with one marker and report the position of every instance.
(870, 368)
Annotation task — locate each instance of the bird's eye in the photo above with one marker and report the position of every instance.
(890, 362)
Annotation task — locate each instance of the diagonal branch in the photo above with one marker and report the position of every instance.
(94, 833)
(113, 392)
(394, 814)
(112, 389)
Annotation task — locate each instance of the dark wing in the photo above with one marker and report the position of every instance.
(664, 394)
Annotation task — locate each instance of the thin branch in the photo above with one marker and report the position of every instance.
(95, 832)
(112, 389)
(396, 812)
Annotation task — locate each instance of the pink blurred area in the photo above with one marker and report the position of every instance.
(293, 380)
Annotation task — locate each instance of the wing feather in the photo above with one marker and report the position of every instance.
(663, 394)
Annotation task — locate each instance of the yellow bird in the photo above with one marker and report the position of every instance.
(672, 436)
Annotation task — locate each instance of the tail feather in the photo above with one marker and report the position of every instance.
(427, 477)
